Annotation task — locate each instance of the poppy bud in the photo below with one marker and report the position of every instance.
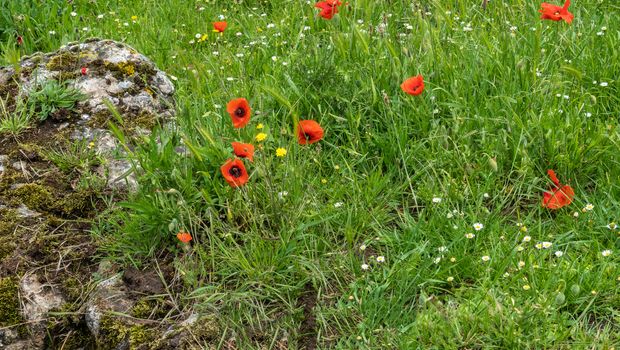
(20, 40)
(84, 70)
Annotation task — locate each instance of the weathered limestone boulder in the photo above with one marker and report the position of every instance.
(53, 178)
(113, 72)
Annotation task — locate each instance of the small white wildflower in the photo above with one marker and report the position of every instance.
(486, 195)
(381, 258)
(612, 226)
(527, 239)
(600, 33)
(73, 14)
(271, 25)
(449, 215)
(215, 53)
(576, 214)
(436, 200)
(546, 245)
(274, 58)
(363, 247)
(230, 78)
(197, 36)
(221, 17)
(437, 260)
(521, 264)
(588, 114)
(365, 267)
(603, 84)
(100, 17)
(486, 258)
(589, 207)
(338, 204)
(51, 32)
(606, 252)
(282, 194)
(558, 253)
(442, 249)
(450, 279)
(470, 235)
(240, 55)
(478, 226)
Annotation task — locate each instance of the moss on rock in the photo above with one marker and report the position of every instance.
(63, 62)
(114, 332)
(33, 195)
(9, 302)
(8, 222)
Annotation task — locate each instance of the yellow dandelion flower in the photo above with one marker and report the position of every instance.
(280, 152)
(260, 126)
(134, 18)
(261, 137)
(323, 181)
(526, 287)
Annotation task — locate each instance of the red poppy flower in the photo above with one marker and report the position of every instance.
(84, 70)
(184, 237)
(556, 13)
(328, 8)
(234, 173)
(239, 111)
(309, 131)
(243, 150)
(413, 86)
(559, 196)
(220, 27)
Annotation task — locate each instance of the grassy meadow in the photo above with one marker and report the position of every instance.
(416, 221)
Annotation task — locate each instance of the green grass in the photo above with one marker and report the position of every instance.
(504, 101)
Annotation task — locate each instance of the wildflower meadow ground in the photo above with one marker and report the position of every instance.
(371, 174)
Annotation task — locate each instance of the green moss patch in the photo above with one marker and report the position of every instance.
(9, 302)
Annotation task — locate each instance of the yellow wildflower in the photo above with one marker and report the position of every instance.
(280, 152)
(261, 137)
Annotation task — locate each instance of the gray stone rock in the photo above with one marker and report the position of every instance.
(109, 295)
(116, 72)
(3, 160)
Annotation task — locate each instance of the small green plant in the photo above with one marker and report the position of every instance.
(16, 121)
(78, 156)
(52, 97)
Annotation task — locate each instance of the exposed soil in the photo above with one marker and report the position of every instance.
(307, 330)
